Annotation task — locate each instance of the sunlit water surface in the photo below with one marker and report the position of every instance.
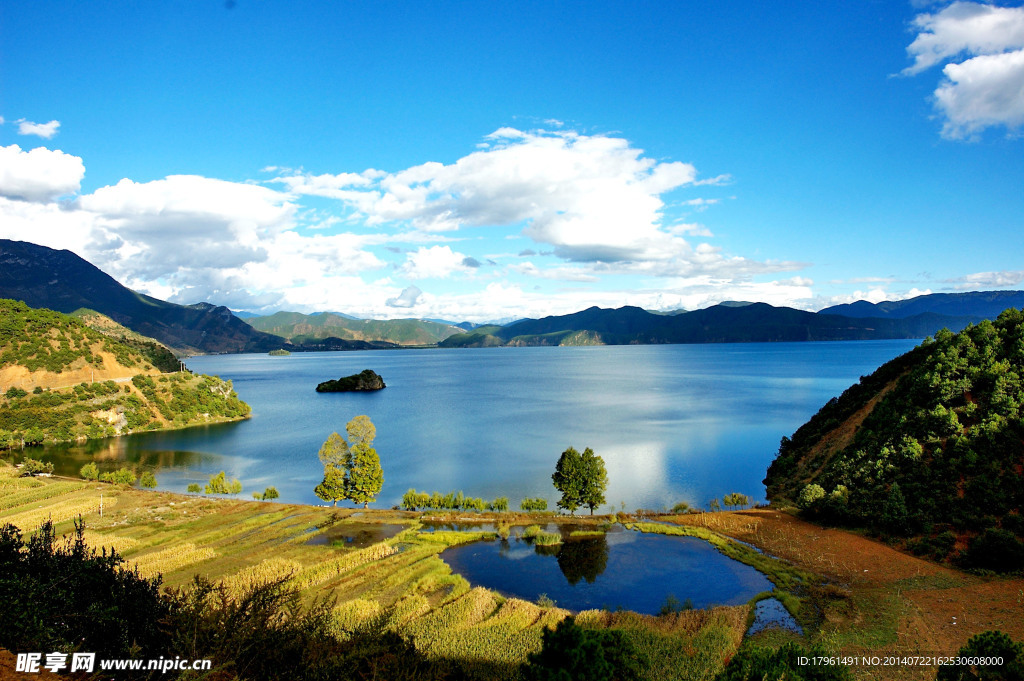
(672, 422)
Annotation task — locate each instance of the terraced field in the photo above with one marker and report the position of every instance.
(399, 583)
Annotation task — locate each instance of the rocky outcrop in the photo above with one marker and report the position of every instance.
(365, 380)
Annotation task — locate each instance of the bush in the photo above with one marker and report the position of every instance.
(570, 652)
(32, 467)
(148, 480)
(809, 496)
(987, 644)
(122, 476)
(995, 549)
(194, 488)
(270, 493)
(219, 484)
(89, 471)
(754, 663)
(63, 596)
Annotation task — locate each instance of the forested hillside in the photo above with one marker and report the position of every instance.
(928, 449)
(61, 381)
(309, 328)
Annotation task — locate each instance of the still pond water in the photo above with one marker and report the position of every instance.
(673, 422)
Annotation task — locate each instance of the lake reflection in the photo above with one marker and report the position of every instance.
(672, 422)
(625, 569)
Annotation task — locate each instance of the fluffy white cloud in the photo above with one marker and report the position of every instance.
(409, 296)
(964, 27)
(40, 174)
(983, 85)
(982, 92)
(44, 130)
(436, 262)
(980, 280)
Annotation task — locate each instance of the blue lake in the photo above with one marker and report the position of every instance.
(672, 422)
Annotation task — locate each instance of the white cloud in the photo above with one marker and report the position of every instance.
(964, 28)
(983, 83)
(980, 280)
(40, 174)
(409, 296)
(982, 92)
(436, 262)
(44, 130)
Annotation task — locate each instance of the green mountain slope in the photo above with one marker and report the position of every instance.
(61, 381)
(308, 328)
(929, 448)
(60, 280)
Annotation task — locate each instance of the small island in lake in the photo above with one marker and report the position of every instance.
(281, 352)
(363, 381)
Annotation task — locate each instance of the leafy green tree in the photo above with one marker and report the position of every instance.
(148, 480)
(219, 484)
(810, 495)
(410, 500)
(89, 471)
(270, 493)
(194, 488)
(364, 477)
(595, 479)
(570, 479)
(500, 504)
(332, 488)
(121, 476)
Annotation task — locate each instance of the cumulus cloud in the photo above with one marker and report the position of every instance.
(436, 262)
(44, 130)
(409, 296)
(40, 174)
(983, 81)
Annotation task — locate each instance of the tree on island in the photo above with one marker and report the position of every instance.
(581, 478)
(351, 469)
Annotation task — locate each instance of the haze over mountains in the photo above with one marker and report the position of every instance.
(62, 281)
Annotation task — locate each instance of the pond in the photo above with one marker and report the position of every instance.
(357, 535)
(621, 569)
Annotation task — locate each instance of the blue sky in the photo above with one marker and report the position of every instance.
(488, 161)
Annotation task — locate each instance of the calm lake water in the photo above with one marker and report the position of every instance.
(625, 569)
(673, 422)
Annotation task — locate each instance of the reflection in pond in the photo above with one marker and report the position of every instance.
(438, 526)
(356, 535)
(621, 569)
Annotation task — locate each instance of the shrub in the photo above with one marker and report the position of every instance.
(148, 480)
(89, 471)
(194, 488)
(32, 467)
(995, 549)
(988, 644)
(809, 496)
(571, 652)
(122, 476)
(270, 493)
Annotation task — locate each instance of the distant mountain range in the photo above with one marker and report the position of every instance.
(727, 323)
(302, 329)
(62, 281)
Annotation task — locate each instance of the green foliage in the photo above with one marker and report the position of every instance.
(989, 644)
(121, 476)
(736, 500)
(500, 504)
(570, 478)
(570, 653)
(33, 467)
(755, 663)
(147, 480)
(194, 488)
(63, 596)
(271, 493)
(529, 504)
(219, 484)
(351, 469)
(89, 471)
(595, 479)
(939, 448)
(995, 549)
(332, 487)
